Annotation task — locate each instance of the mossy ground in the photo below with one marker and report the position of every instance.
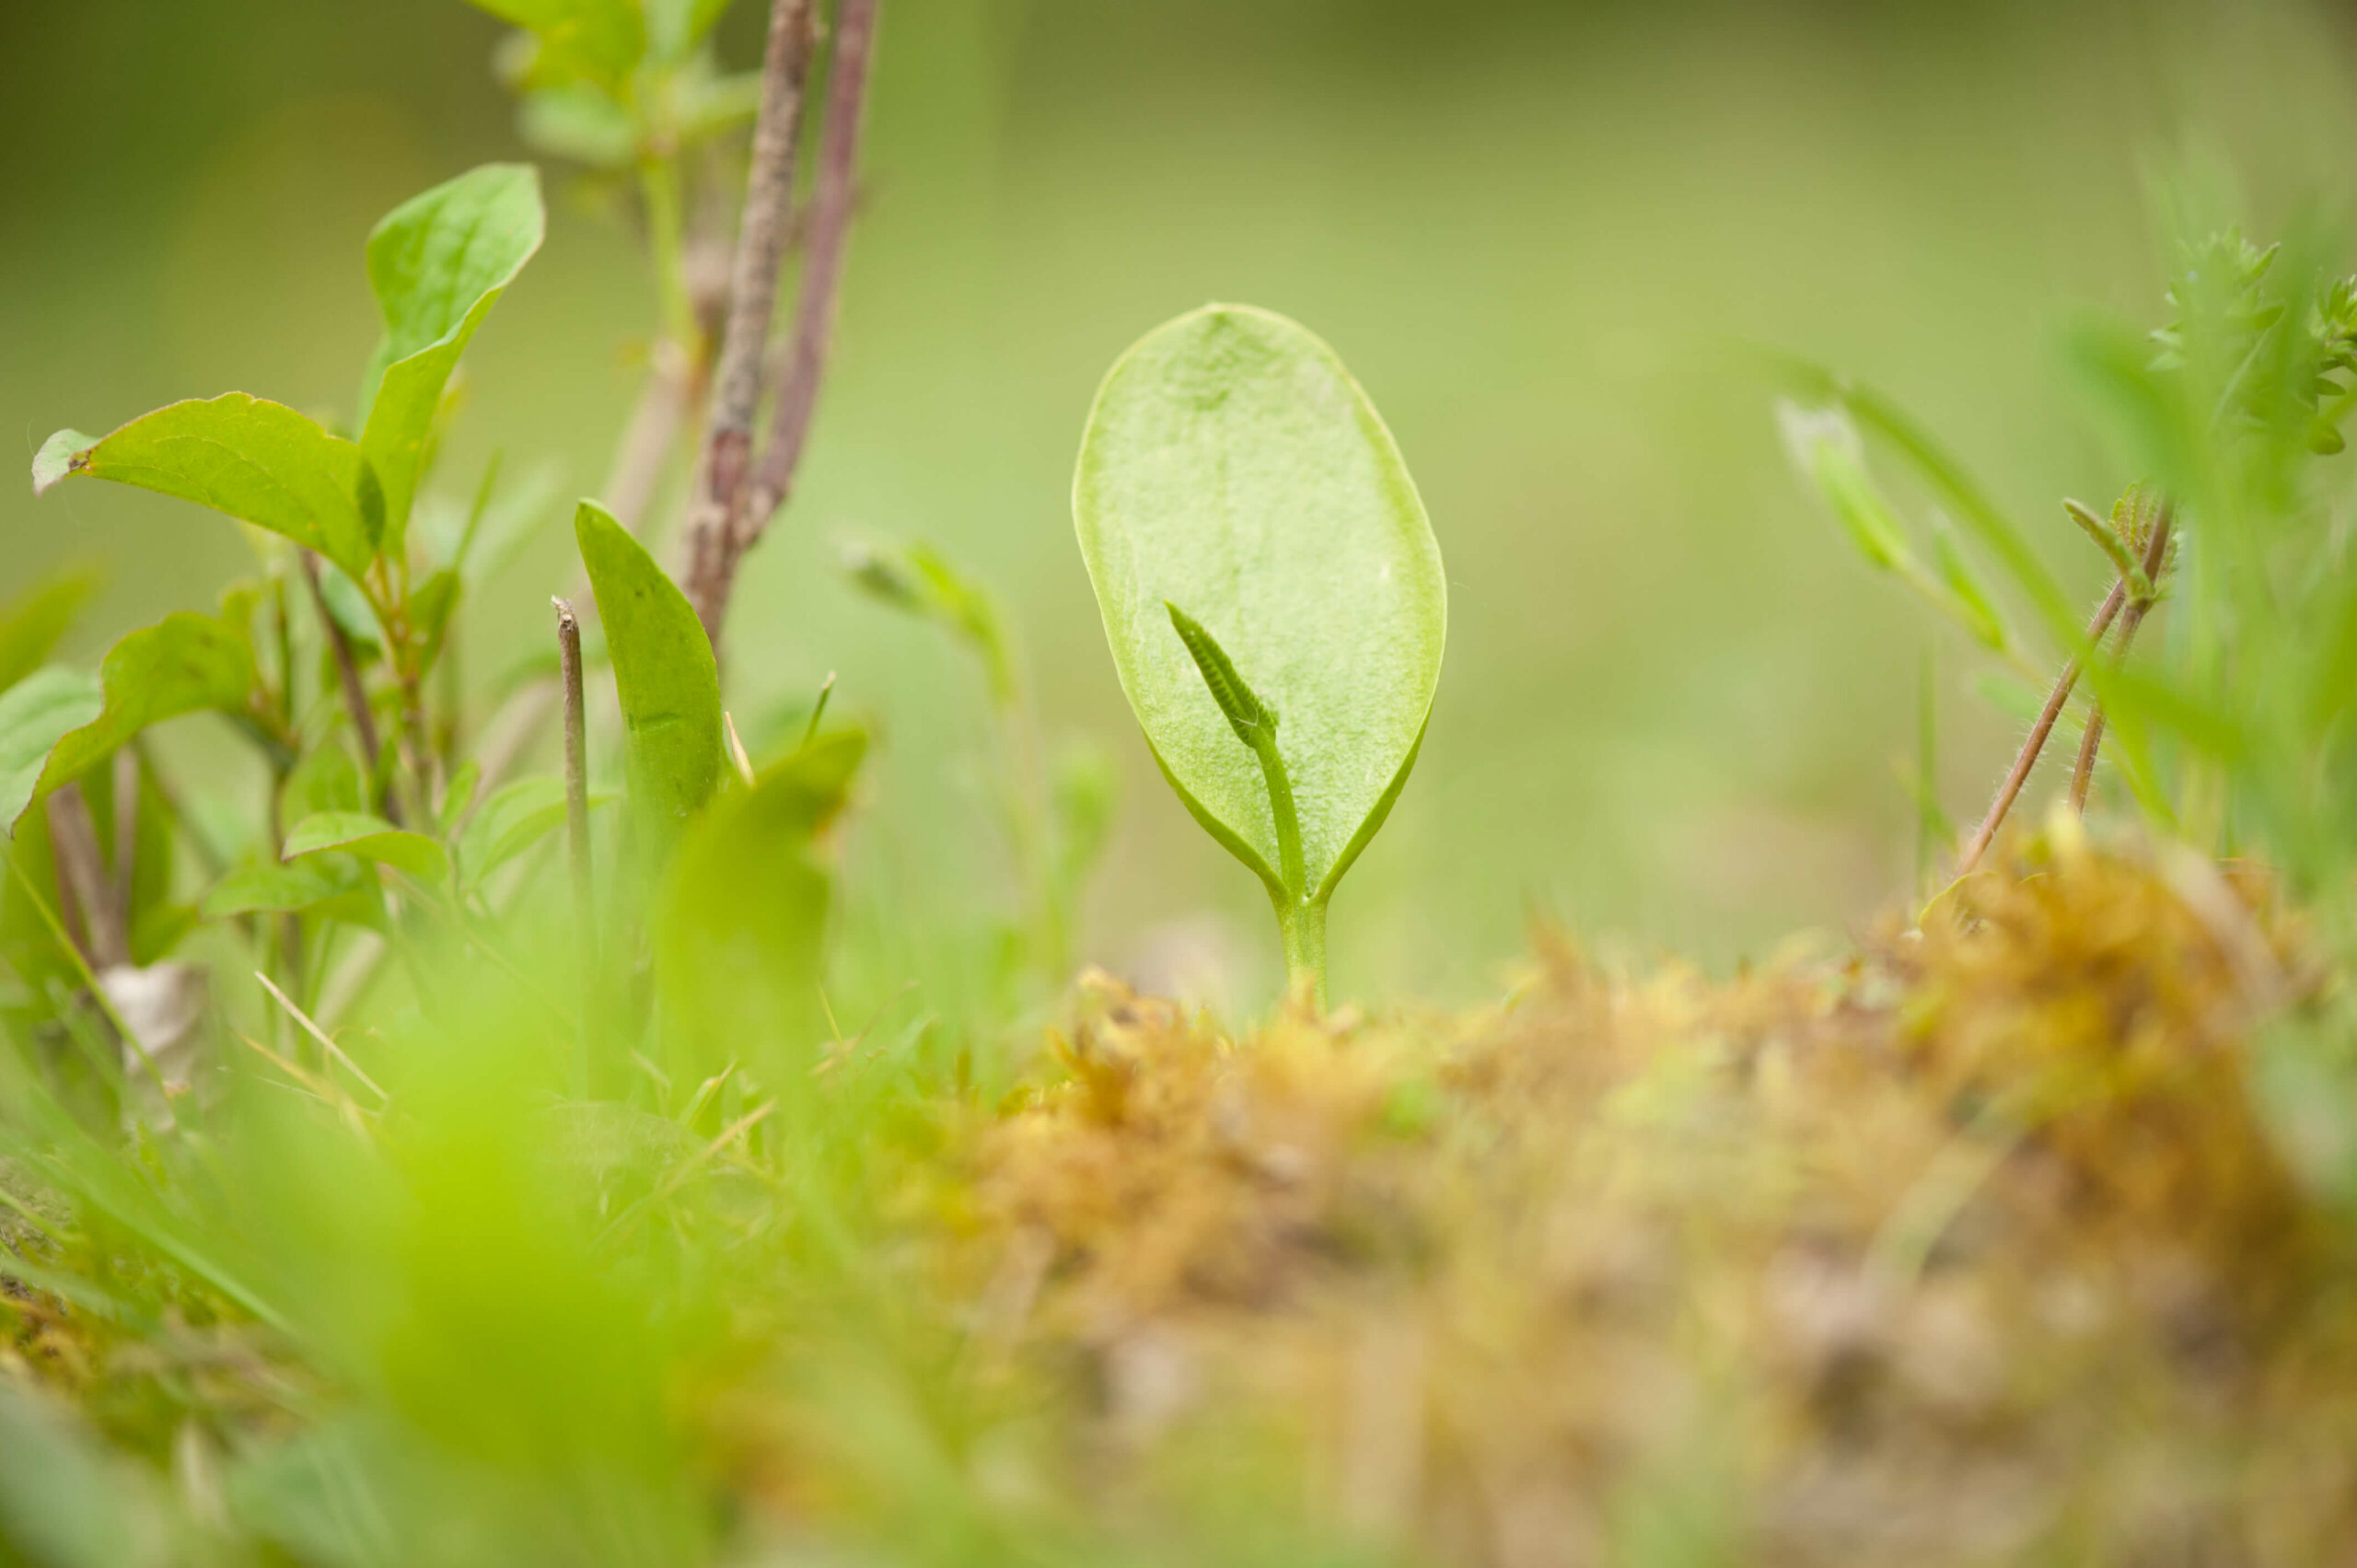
(1968, 1247)
(1967, 1244)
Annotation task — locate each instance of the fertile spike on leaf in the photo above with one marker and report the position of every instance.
(1233, 465)
(1246, 715)
(261, 462)
(667, 679)
(438, 263)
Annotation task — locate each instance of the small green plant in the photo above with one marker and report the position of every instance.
(1259, 553)
(2236, 737)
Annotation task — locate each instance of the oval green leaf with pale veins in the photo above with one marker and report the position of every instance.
(1233, 469)
(665, 677)
(261, 462)
(438, 263)
(184, 663)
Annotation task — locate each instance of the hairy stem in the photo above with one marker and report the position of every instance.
(2056, 702)
(713, 569)
(726, 462)
(2148, 593)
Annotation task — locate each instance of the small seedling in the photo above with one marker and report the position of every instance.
(1259, 549)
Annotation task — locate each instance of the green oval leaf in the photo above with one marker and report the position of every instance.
(1233, 468)
(665, 677)
(371, 838)
(184, 663)
(438, 263)
(258, 461)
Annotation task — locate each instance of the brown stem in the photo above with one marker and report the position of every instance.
(726, 461)
(713, 574)
(126, 839)
(576, 821)
(356, 695)
(87, 901)
(2056, 702)
(2156, 558)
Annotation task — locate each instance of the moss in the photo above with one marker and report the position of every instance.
(1966, 1248)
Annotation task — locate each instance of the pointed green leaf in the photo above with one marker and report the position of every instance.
(371, 838)
(1233, 467)
(35, 714)
(184, 664)
(741, 931)
(438, 263)
(33, 623)
(665, 677)
(258, 461)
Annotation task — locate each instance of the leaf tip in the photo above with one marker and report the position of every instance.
(63, 455)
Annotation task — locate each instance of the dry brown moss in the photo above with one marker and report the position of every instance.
(1966, 1248)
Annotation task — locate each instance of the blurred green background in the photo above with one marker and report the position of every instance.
(1537, 232)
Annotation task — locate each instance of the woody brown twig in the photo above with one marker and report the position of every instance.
(738, 499)
(724, 463)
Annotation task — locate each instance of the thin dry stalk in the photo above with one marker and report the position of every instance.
(2156, 560)
(716, 555)
(576, 823)
(326, 1042)
(2026, 759)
